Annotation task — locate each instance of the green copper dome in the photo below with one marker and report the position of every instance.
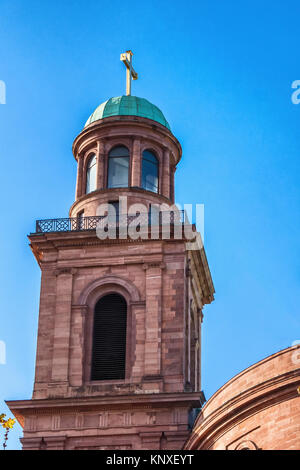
(128, 106)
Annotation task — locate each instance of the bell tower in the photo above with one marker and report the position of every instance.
(118, 362)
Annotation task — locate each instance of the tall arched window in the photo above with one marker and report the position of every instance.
(91, 174)
(118, 167)
(149, 171)
(109, 338)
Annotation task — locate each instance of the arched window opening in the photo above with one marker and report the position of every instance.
(91, 174)
(149, 171)
(118, 167)
(109, 338)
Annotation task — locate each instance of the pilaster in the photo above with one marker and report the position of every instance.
(45, 329)
(79, 183)
(77, 345)
(62, 324)
(136, 163)
(100, 164)
(166, 174)
(172, 184)
(153, 320)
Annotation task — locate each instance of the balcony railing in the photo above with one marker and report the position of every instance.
(81, 224)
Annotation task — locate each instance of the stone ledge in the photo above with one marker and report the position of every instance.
(21, 408)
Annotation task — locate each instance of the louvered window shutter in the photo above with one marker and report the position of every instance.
(109, 338)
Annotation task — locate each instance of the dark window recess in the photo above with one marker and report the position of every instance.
(109, 338)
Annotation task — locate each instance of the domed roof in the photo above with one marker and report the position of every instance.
(128, 106)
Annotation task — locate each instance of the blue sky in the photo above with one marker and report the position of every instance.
(221, 71)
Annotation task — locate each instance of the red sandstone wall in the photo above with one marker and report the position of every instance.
(150, 275)
(147, 410)
(276, 427)
(257, 409)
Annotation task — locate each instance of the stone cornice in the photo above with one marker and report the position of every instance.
(115, 192)
(22, 408)
(56, 240)
(119, 126)
(204, 281)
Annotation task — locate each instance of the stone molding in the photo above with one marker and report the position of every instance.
(21, 408)
(109, 280)
(60, 271)
(125, 126)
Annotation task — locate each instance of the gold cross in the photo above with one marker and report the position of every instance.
(130, 72)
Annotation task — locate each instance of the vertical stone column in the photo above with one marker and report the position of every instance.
(45, 332)
(136, 163)
(189, 340)
(172, 183)
(187, 328)
(76, 352)
(196, 366)
(79, 183)
(100, 164)
(62, 326)
(195, 347)
(166, 174)
(200, 314)
(189, 345)
(153, 320)
(137, 340)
